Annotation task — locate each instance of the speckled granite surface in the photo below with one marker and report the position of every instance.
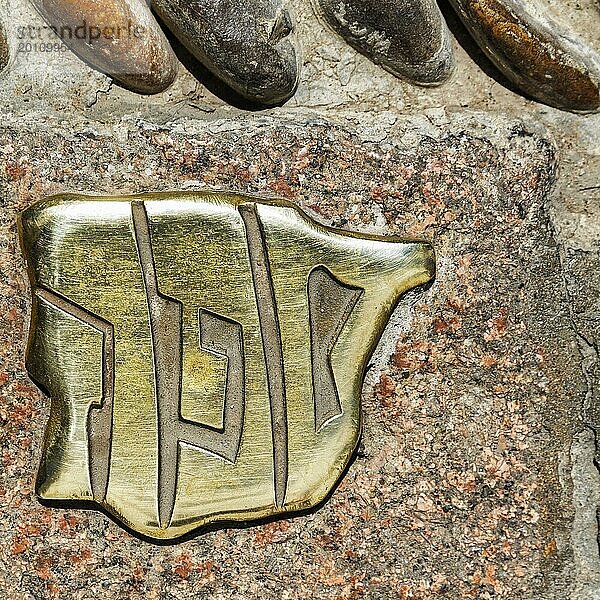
(462, 484)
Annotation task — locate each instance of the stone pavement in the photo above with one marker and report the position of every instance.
(474, 475)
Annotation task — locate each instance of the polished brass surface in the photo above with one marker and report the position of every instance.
(204, 352)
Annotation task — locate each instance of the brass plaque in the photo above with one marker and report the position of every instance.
(204, 352)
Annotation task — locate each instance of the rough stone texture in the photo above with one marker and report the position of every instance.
(583, 272)
(410, 39)
(248, 45)
(469, 409)
(476, 475)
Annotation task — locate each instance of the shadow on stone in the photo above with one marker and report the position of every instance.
(470, 46)
(212, 83)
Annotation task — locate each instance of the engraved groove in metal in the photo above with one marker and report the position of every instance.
(99, 420)
(222, 337)
(272, 346)
(330, 305)
(218, 335)
(166, 330)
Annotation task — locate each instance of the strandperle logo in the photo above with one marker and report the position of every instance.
(89, 32)
(55, 38)
(204, 353)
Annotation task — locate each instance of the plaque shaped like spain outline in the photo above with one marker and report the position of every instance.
(204, 352)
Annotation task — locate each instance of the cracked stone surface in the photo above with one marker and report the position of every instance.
(475, 477)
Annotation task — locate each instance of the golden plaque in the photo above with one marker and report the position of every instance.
(204, 352)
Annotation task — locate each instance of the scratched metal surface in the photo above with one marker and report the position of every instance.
(141, 273)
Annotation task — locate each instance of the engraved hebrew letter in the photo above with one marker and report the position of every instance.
(99, 421)
(272, 345)
(166, 329)
(330, 305)
(218, 335)
(223, 337)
